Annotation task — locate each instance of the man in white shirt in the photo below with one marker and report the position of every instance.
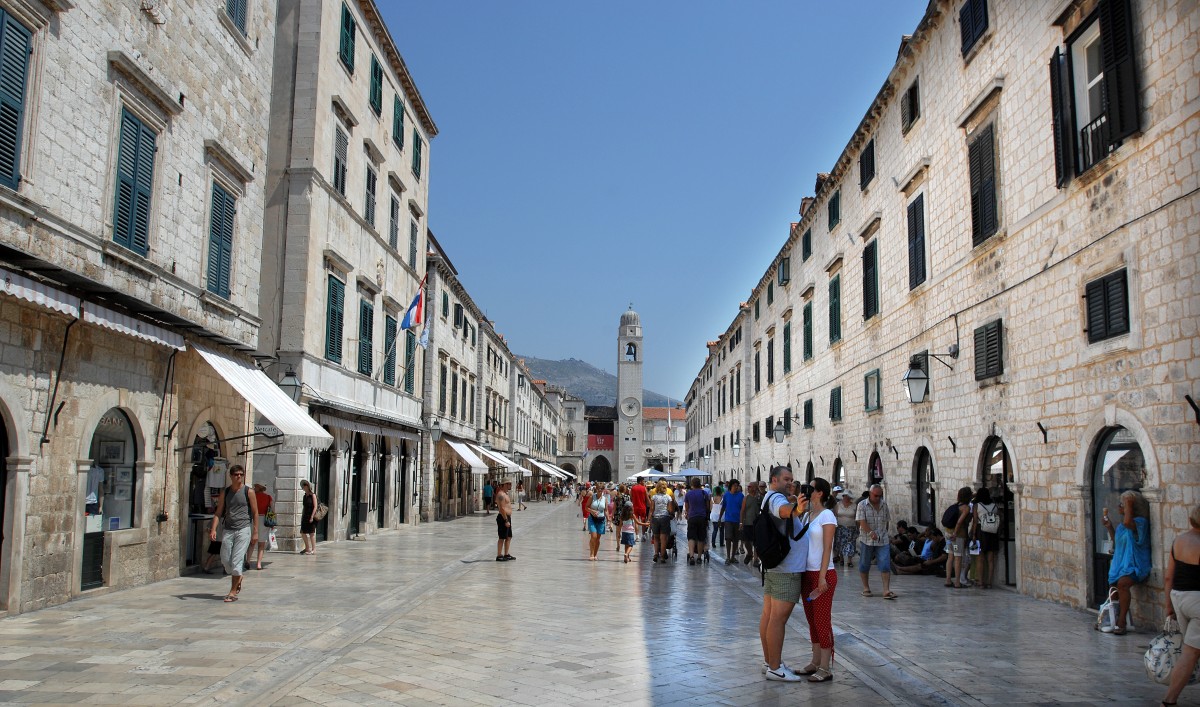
(781, 584)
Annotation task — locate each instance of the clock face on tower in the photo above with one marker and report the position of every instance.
(630, 407)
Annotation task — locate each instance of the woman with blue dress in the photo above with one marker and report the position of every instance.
(1131, 552)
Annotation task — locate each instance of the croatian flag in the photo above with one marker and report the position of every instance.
(415, 313)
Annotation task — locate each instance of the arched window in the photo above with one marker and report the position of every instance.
(571, 440)
(631, 351)
(923, 487)
(839, 473)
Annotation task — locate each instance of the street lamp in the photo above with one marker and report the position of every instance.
(916, 379)
(435, 431)
(779, 429)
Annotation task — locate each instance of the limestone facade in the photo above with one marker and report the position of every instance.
(1022, 249)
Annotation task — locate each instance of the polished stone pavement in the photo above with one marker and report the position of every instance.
(425, 615)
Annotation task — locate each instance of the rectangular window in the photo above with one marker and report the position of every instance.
(910, 106)
(770, 361)
(871, 391)
(454, 394)
(394, 223)
(376, 95)
(785, 270)
(866, 165)
(754, 432)
(236, 10)
(989, 350)
(412, 244)
(757, 371)
(1107, 307)
(808, 331)
(458, 315)
(346, 41)
(870, 259)
(835, 309)
(835, 404)
(418, 147)
(737, 391)
(410, 360)
(916, 241)
(389, 350)
(787, 348)
(334, 304)
(341, 149)
(981, 154)
(366, 338)
(135, 179)
(756, 309)
(770, 293)
(808, 414)
(835, 209)
(787, 421)
(369, 199)
(220, 241)
(445, 304)
(769, 426)
(442, 390)
(15, 46)
(806, 245)
(398, 123)
(973, 21)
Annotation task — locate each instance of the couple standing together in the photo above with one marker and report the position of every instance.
(805, 575)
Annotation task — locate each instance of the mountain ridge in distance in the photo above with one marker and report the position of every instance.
(579, 378)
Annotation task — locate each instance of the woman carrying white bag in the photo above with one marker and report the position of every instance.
(1182, 589)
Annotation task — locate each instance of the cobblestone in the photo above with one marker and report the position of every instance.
(424, 615)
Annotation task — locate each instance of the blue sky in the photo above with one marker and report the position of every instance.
(596, 154)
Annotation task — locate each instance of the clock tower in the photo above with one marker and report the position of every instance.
(630, 458)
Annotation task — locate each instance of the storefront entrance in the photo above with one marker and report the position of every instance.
(324, 462)
(925, 500)
(205, 480)
(401, 477)
(1118, 467)
(875, 469)
(354, 479)
(3, 487)
(111, 492)
(997, 474)
(379, 469)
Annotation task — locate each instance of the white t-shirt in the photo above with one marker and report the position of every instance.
(825, 522)
(797, 557)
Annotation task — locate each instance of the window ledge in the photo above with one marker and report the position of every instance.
(979, 44)
(993, 86)
(131, 259)
(218, 152)
(991, 241)
(215, 301)
(241, 39)
(128, 67)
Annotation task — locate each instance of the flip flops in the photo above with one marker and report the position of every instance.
(867, 593)
(230, 598)
(890, 595)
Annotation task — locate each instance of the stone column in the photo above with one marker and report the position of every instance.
(12, 553)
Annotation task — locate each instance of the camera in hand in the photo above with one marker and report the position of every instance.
(806, 490)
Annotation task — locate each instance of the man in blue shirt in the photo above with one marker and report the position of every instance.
(733, 519)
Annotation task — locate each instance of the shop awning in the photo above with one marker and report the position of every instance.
(464, 452)
(503, 461)
(548, 469)
(131, 326)
(38, 293)
(299, 430)
(564, 472)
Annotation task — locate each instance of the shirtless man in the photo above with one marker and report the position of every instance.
(503, 522)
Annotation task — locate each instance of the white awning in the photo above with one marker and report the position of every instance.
(299, 430)
(503, 461)
(563, 471)
(130, 326)
(38, 293)
(546, 468)
(464, 452)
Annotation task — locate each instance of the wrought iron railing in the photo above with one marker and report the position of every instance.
(1093, 143)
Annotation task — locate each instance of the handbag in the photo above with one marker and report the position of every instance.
(975, 547)
(1165, 649)
(321, 512)
(1106, 618)
(269, 519)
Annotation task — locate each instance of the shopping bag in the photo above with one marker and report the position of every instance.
(272, 543)
(1164, 651)
(1106, 617)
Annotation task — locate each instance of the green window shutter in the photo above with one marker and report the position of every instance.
(1107, 307)
(916, 241)
(1118, 57)
(410, 355)
(835, 403)
(982, 166)
(398, 122)
(412, 245)
(236, 9)
(334, 303)
(389, 347)
(220, 241)
(989, 350)
(369, 199)
(394, 224)
(366, 337)
(808, 332)
(835, 209)
(866, 165)
(418, 146)
(341, 149)
(756, 308)
(808, 414)
(787, 347)
(445, 304)
(376, 95)
(770, 293)
(806, 245)
(835, 309)
(870, 281)
(15, 47)
(135, 179)
(346, 43)
(787, 421)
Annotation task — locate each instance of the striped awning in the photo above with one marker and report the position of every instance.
(478, 468)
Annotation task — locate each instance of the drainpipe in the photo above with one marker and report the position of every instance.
(57, 379)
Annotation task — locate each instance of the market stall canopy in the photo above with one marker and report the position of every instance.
(693, 472)
(509, 465)
(478, 468)
(299, 431)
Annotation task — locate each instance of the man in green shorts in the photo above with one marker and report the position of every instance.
(781, 588)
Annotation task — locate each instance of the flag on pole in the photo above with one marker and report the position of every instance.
(415, 314)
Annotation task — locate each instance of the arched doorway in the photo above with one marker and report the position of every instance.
(601, 470)
(1118, 466)
(875, 469)
(401, 479)
(358, 458)
(112, 491)
(4, 452)
(839, 472)
(996, 473)
(205, 480)
(321, 466)
(810, 473)
(925, 499)
(381, 459)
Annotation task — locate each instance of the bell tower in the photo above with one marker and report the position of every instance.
(630, 458)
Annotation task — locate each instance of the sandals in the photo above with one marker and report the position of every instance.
(1119, 631)
(230, 598)
(867, 593)
(820, 675)
(808, 669)
(890, 595)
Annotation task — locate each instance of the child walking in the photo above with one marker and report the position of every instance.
(629, 529)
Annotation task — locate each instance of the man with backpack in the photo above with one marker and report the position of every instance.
(783, 568)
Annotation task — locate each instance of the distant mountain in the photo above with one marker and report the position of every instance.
(580, 378)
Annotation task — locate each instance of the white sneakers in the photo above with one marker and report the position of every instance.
(783, 674)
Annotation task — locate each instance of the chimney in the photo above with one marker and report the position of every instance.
(822, 177)
(806, 204)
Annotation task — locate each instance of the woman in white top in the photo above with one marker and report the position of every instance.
(820, 580)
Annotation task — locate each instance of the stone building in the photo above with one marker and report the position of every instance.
(131, 201)
(343, 257)
(1014, 219)
(628, 432)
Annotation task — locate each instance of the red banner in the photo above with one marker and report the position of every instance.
(600, 442)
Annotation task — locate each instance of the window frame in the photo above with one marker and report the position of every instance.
(140, 183)
(989, 344)
(222, 250)
(910, 106)
(347, 38)
(872, 387)
(335, 312)
(834, 209)
(366, 336)
(870, 260)
(375, 92)
(1104, 321)
(835, 308)
(917, 270)
(835, 404)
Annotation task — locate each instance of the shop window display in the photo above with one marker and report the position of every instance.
(112, 484)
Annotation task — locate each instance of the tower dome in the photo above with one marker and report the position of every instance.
(631, 318)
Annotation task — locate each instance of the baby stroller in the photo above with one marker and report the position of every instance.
(671, 544)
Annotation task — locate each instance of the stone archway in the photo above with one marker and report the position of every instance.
(600, 470)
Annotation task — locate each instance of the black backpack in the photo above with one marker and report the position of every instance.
(950, 517)
(771, 545)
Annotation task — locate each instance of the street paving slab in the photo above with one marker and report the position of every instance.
(426, 616)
